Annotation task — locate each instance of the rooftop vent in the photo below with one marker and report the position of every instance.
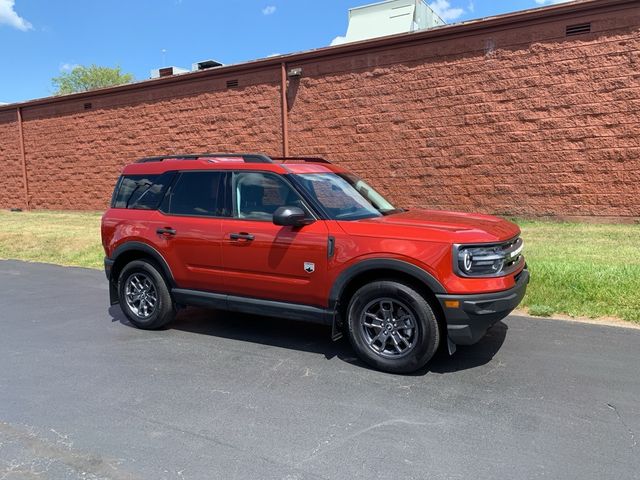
(389, 17)
(578, 29)
(204, 64)
(167, 71)
(232, 83)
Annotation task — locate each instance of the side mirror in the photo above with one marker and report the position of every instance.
(291, 217)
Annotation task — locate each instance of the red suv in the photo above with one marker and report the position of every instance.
(303, 238)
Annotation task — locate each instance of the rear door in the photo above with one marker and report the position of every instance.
(264, 260)
(193, 210)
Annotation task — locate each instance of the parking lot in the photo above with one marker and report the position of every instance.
(216, 395)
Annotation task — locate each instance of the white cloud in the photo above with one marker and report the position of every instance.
(269, 10)
(471, 7)
(67, 67)
(8, 16)
(445, 11)
(551, 2)
(339, 40)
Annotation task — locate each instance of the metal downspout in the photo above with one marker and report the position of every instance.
(285, 111)
(23, 160)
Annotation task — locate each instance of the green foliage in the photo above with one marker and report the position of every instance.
(82, 79)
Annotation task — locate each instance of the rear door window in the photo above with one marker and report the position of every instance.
(198, 194)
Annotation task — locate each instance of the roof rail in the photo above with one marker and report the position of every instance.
(247, 157)
(301, 159)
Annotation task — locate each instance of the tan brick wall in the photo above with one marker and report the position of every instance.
(516, 120)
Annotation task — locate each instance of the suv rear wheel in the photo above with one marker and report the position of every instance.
(144, 295)
(392, 327)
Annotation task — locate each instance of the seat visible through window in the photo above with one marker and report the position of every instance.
(258, 195)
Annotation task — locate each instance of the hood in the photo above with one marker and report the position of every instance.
(436, 225)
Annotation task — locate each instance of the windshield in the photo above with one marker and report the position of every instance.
(344, 196)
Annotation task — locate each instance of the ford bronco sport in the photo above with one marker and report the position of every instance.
(302, 238)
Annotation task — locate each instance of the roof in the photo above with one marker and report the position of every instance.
(530, 16)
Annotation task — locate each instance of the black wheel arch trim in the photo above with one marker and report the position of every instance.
(400, 266)
(148, 250)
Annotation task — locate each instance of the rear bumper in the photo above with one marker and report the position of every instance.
(477, 313)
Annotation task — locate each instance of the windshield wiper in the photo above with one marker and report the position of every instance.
(391, 212)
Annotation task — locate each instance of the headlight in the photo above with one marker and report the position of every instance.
(488, 260)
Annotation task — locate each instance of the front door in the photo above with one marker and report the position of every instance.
(264, 260)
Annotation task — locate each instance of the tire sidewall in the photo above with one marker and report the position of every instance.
(427, 336)
(164, 304)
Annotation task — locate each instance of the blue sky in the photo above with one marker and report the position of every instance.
(41, 38)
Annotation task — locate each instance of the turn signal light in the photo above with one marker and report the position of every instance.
(452, 303)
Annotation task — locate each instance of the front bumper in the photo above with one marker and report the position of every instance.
(475, 314)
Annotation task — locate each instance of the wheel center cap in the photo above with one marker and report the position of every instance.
(389, 327)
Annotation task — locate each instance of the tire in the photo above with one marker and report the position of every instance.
(155, 309)
(392, 327)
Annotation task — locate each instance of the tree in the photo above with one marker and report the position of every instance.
(82, 79)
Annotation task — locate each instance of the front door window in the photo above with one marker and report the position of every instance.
(257, 195)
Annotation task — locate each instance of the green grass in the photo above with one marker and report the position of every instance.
(584, 270)
(64, 238)
(578, 269)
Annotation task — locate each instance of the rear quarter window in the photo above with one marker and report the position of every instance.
(142, 192)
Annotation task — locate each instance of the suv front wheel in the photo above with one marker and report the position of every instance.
(144, 296)
(392, 327)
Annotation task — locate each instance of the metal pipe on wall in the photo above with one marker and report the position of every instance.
(285, 110)
(23, 160)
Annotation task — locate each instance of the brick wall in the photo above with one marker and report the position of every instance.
(519, 122)
(11, 181)
(514, 119)
(74, 155)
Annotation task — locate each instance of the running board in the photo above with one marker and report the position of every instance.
(255, 306)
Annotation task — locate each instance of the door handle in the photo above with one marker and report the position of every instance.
(241, 236)
(166, 231)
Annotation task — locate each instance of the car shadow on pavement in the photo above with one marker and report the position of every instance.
(472, 356)
(313, 338)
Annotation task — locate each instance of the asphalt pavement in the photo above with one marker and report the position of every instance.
(84, 395)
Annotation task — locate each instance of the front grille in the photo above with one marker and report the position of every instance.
(513, 252)
(488, 259)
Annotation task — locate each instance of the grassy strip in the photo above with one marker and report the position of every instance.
(583, 269)
(577, 269)
(64, 238)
